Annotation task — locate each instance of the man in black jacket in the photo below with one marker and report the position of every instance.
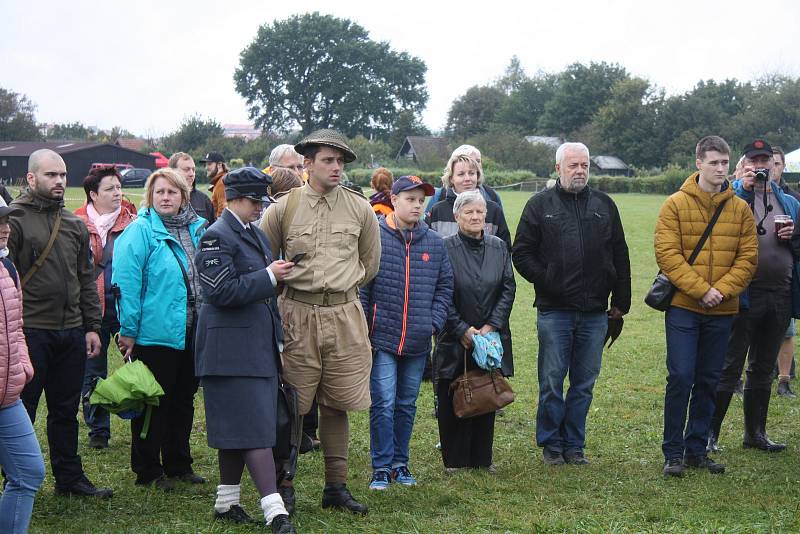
(61, 312)
(201, 203)
(570, 244)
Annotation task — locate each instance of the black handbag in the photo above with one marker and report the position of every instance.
(661, 292)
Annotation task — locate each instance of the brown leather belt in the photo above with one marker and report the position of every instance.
(322, 299)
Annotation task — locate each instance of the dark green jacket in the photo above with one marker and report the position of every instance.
(62, 293)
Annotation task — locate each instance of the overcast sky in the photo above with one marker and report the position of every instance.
(145, 65)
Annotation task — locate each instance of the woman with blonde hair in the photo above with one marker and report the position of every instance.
(158, 300)
(381, 182)
(464, 173)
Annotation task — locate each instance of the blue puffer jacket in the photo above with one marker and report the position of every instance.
(407, 302)
(152, 308)
(791, 207)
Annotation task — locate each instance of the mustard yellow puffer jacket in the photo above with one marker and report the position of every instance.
(728, 258)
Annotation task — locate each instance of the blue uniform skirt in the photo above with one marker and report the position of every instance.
(241, 411)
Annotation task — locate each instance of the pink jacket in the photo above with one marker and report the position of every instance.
(15, 365)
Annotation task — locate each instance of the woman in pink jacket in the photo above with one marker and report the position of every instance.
(20, 455)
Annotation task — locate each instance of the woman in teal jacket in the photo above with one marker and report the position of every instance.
(157, 299)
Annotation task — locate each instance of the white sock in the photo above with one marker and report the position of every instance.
(227, 496)
(272, 505)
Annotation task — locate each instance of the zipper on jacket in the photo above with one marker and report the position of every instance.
(8, 344)
(580, 240)
(405, 295)
(64, 278)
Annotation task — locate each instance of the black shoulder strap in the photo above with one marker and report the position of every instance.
(9, 265)
(189, 294)
(707, 232)
(108, 251)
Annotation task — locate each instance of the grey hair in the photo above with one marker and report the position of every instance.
(280, 151)
(467, 197)
(569, 146)
(467, 150)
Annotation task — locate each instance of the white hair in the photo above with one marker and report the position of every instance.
(467, 150)
(569, 146)
(280, 151)
(467, 197)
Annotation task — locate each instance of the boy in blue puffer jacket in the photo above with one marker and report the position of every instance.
(406, 304)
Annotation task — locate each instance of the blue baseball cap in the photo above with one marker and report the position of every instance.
(406, 183)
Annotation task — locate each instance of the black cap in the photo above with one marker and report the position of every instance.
(8, 211)
(247, 182)
(759, 147)
(214, 157)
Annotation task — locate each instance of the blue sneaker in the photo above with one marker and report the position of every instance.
(380, 479)
(403, 476)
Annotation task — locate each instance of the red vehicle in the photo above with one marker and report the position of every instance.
(120, 166)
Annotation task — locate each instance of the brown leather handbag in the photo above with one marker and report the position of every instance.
(479, 392)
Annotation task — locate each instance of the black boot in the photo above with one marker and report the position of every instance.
(756, 406)
(338, 496)
(720, 409)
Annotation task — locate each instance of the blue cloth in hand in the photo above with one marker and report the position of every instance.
(488, 352)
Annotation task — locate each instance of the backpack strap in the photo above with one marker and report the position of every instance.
(9, 265)
(288, 215)
(108, 251)
(46, 252)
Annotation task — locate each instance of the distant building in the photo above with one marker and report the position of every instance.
(78, 156)
(245, 131)
(132, 143)
(610, 166)
(424, 150)
(553, 142)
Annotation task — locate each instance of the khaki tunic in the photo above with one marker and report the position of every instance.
(327, 352)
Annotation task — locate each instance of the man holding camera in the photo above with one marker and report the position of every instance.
(766, 306)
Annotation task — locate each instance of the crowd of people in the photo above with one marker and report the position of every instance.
(285, 279)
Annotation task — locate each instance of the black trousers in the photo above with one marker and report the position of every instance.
(165, 450)
(465, 442)
(59, 360)
(757, 335)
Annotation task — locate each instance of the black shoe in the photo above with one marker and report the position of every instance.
(191, 478)
(756, 406)
(552, 456)
(308, 444)
(281, 525)
(98, 442)
(338, 496)
(575, 458)
(287, 494)
(235, 514)
(784, 390)
(84, 488)
(673, 467)
(704, 462)
(162, 483)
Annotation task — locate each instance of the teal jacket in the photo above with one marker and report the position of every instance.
(152, 301)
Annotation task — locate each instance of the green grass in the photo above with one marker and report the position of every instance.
(622, 491)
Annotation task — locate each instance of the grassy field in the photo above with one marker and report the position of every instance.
(622, 491)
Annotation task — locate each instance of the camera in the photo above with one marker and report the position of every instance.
(762, 175)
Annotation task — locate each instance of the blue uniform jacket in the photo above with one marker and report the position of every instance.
(152, 305)
(239, 328)
(791, 207)
(407, 302)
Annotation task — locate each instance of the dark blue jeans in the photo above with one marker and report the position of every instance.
(394, 386)
(696, 346)
(98, 419)
(570, 342)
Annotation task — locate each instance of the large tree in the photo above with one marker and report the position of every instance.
(17, 120)
(193, 133)
(475, 111)
(319, 71)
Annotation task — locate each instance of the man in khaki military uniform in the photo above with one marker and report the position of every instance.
(333, 237)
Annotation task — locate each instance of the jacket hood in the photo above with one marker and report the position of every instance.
(38, 202)
(380, 198)
(387, 224)
(691, 187)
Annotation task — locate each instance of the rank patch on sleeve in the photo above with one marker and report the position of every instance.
(209, 244)
(217, 279)
(210, 262)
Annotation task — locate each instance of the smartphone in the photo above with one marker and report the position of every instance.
(298, 257)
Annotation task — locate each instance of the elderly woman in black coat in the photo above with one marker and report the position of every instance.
(239, 339)
(482, 301)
